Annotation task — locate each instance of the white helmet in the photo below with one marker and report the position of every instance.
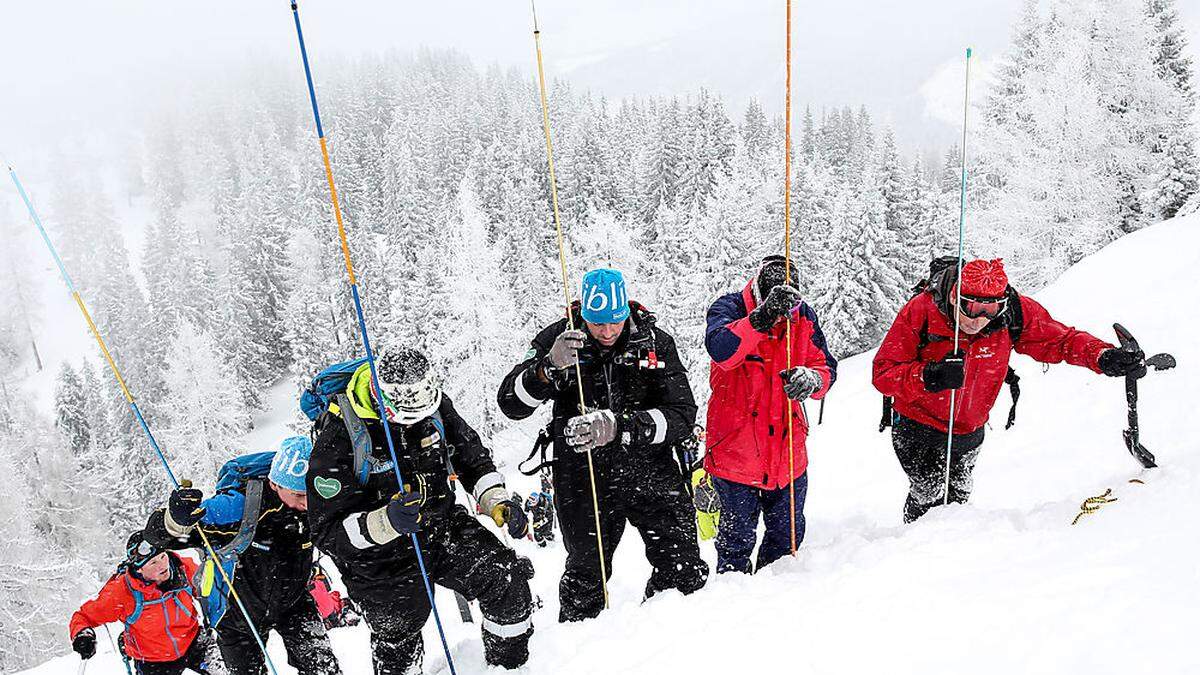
(412, 390)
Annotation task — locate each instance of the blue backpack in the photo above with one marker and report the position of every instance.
(234, 473)
(239, 473)
(326, 385)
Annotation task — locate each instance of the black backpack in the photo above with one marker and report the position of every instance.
(942, 273)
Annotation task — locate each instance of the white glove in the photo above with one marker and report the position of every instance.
(591, 431)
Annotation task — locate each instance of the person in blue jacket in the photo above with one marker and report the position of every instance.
(261, 517)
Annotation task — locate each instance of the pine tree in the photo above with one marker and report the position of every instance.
(207, 415)
(756, 136)
(1175, 180)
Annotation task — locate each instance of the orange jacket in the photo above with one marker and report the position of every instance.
(159, 625)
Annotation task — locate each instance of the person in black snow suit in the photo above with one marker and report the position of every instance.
(640, 404)
(274, 557)
(365, 520)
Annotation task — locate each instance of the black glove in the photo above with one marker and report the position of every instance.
(157, 534)
(510, 513)
(84, 643)
(944, 374)
(800, 383)
(1119, 363)
(184, 506)
(780, 301)
(404, 512)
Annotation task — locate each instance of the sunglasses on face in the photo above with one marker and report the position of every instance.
(982, 307)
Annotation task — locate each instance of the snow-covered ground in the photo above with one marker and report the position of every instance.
(1003, 585)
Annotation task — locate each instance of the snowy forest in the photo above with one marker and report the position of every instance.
(1082, 134)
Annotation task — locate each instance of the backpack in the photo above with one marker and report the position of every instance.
(939, 283)
(328, 387)
(247, 473)
(327, 384)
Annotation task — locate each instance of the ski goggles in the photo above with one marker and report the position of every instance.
(982, 307)
(141, 554)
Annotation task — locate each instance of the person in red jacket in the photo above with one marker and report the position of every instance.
(753, 391)
(152, 596)
(917, 366)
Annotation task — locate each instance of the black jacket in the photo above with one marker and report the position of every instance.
(427, 455)
(272, 573)
(640, 379)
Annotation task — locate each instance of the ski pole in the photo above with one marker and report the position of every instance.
(962, 218)
(787, 270)
(566, 285)
(118, 650)
(133, 406)
(362, 321)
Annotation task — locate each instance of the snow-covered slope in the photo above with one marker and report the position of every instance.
(1003, 585)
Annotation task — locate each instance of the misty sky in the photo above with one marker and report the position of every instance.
(77, 67)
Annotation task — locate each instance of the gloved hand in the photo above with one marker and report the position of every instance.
(84, 643)
(1119, 363)
(564, 353)
(157, 533)
(591, 431)
(944, 374)
(510, 513)
(781, 300)
(184, 508)
(799, 383)
(404, 511)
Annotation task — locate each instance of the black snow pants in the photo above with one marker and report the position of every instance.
(921, 450)
(303, 634)
(460, 554)
(195, 659)
(645, 490)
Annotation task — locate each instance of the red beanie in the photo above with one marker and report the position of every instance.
(984, 278)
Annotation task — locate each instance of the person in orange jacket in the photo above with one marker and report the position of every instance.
(152, 596)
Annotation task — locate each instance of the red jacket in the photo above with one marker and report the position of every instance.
(747, 429)
(899, 363)
(164, 627)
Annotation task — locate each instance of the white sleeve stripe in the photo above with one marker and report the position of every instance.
(510, 630)
(354, 531)
(660, 426)
(523, 394)
(487, 482)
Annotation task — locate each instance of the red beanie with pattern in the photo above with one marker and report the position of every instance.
(984, 278)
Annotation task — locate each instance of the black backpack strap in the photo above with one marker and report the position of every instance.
(886, 420)
(251, 508)
(544, 441)
(360, 438)
(1014, 389)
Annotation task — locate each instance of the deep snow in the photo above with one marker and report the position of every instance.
(1004, 584)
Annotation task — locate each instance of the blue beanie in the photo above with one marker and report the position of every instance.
(290, 465)
(604, 298)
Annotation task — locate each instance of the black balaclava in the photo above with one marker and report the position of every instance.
(771, 274)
